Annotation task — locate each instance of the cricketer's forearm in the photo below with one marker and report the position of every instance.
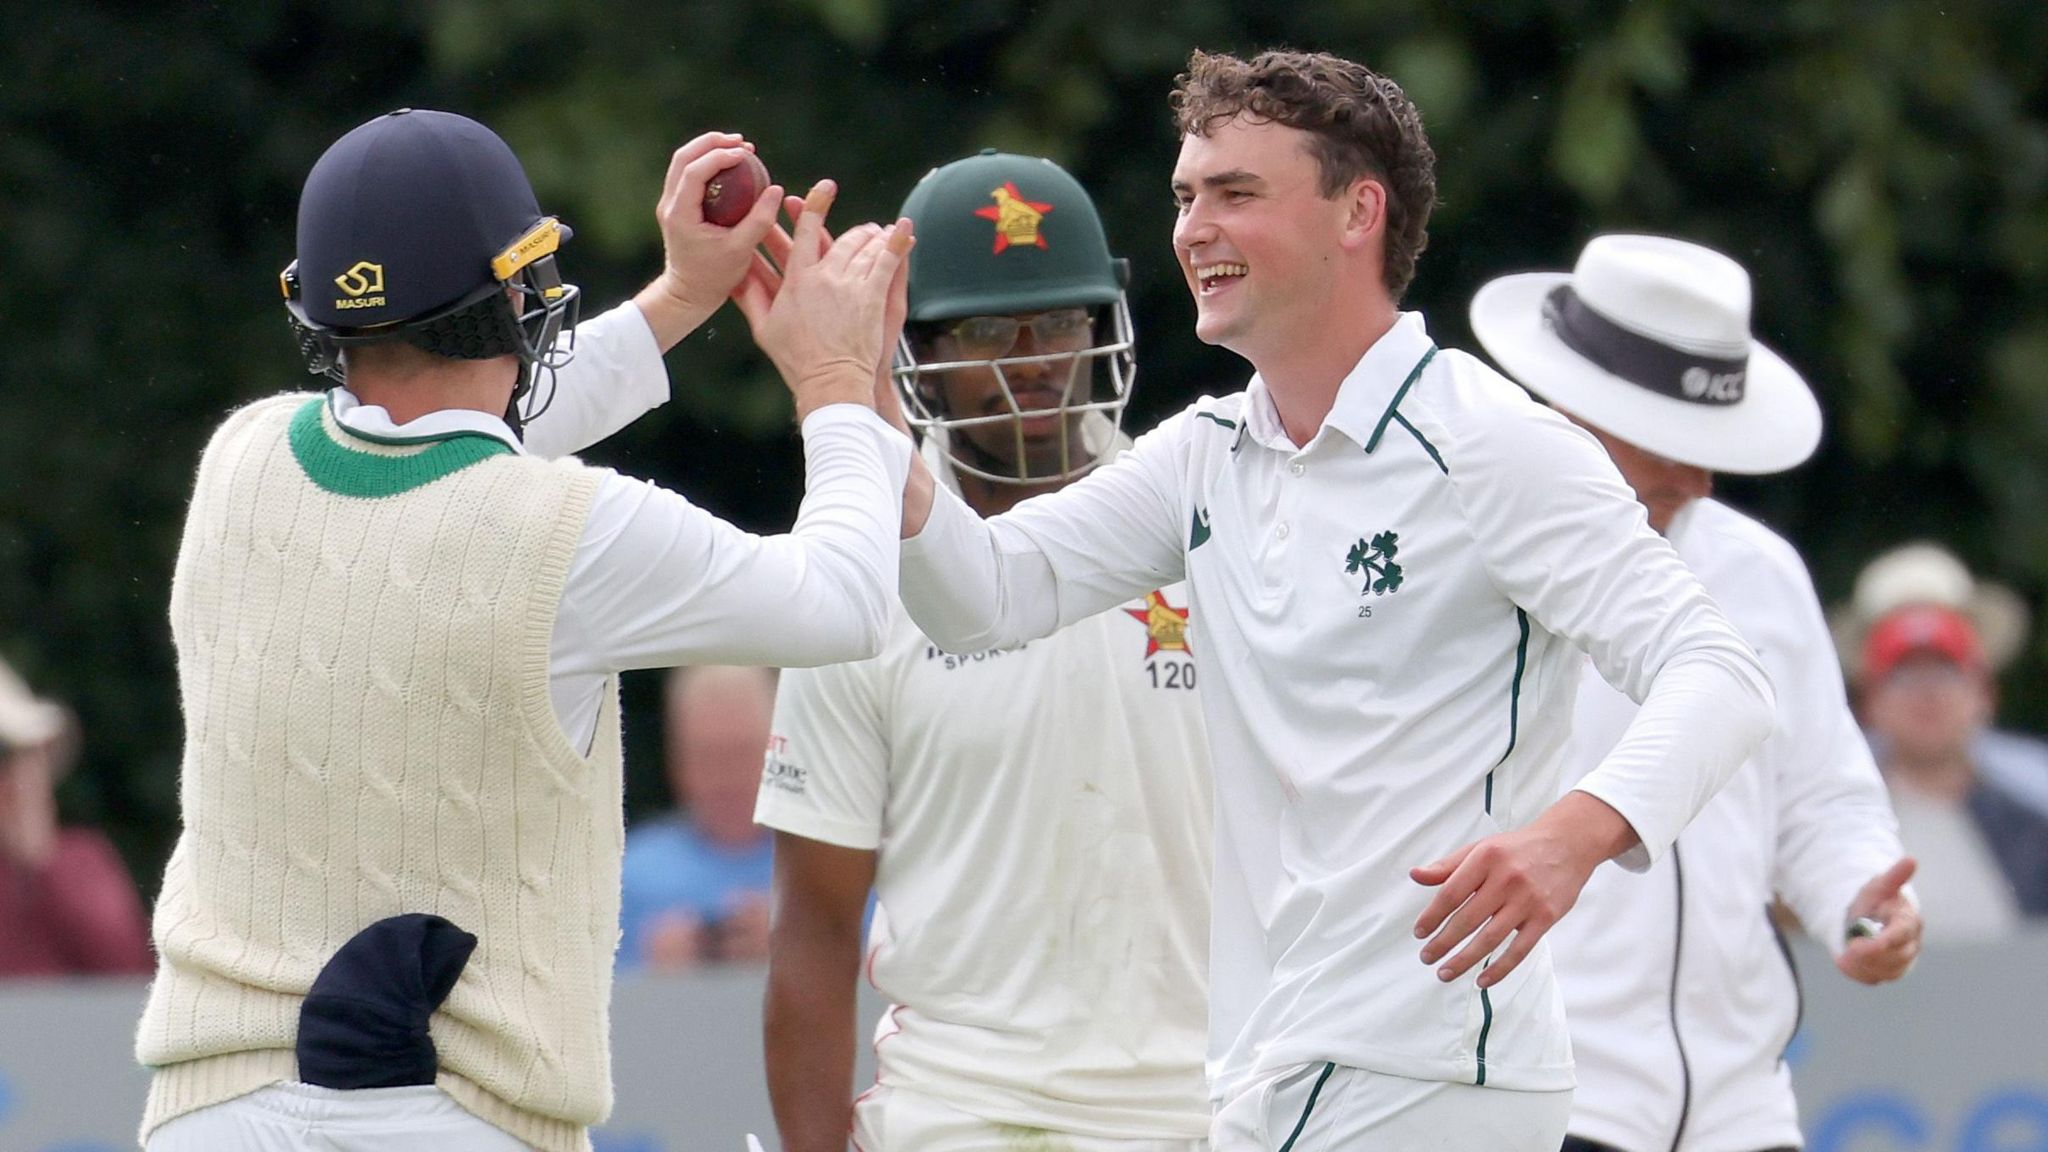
(808, 1027)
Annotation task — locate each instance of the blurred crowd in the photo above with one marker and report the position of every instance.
(67, 903)
(1922, 643)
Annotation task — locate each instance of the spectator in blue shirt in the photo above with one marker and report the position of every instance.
(696, 880)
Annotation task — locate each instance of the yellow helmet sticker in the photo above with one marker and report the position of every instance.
(541, 240)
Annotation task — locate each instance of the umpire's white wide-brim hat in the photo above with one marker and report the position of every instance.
(1647, 338)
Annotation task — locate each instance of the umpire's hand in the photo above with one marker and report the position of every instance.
(1884, 957)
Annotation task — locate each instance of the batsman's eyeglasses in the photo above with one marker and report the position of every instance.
(993, 337)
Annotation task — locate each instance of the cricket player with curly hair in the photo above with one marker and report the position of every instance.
(1394, 558)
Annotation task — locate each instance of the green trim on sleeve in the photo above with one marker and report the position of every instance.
(347, 471)
(1514, 730)
(1514, 689)
(1400, 393)
(1308, 1108)
(1485, 1026)
(1514, 702)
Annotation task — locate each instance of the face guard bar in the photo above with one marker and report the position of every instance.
(1113, 364)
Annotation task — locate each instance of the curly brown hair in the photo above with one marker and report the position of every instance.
(1361, 123)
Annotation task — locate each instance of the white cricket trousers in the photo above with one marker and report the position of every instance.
(893, 1120)
(1331, 1108)
(294, 1117)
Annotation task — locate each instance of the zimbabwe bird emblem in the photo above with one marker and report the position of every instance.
(1166, 627)
(1015, 217)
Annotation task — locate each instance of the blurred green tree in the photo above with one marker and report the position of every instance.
(1880, 165)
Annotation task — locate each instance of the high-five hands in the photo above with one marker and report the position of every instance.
(818, 306)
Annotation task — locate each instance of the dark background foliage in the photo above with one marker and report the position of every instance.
(1880, 165)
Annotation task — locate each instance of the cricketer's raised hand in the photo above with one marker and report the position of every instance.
(775, 252)
(820, 316)
(702, 262)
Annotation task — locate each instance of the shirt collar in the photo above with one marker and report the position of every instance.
(1363, 399)
(372, 422)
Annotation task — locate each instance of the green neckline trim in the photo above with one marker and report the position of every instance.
(1414, 374)
(1218, 419)
(347, 471)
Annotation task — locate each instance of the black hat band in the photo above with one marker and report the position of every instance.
(1643, 362)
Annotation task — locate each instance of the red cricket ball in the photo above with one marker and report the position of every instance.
(731, 193)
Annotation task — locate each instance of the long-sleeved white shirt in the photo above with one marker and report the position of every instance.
(657, 581)
(1680, 995)
(1390, 617)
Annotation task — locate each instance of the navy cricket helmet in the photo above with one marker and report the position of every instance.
(421, 226)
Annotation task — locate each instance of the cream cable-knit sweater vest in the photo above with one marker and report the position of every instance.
(362, 633)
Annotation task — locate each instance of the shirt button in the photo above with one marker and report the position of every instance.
(1297, 468)
(1281, 531)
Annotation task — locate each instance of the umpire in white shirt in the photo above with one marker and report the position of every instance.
(1678, 987)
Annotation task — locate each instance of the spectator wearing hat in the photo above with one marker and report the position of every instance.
(1928, 697)
(67, 904)
(1679, 992)
(1923, 572)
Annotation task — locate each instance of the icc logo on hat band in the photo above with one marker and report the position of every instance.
(1713, 387)
(358, 284)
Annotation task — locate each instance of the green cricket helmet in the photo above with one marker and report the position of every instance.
(1007, 244)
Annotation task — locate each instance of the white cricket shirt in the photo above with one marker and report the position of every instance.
(1680, 994)
(1388, 617)
(657, 581)
(1041, 816)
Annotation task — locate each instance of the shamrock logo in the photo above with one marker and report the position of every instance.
(1375, 557)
